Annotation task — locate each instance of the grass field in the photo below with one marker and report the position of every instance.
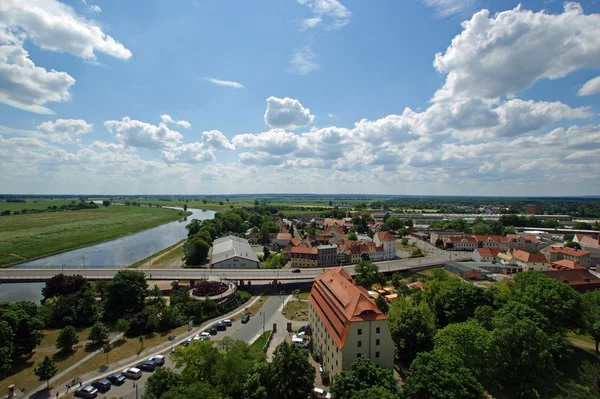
(296, 310)
(167, 256)
(260, 341)
(41, 203)
(51, 335)
(27, 236)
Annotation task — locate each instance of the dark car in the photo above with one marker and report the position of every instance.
(227, 322)
(296, 271)
(148, 365)
(117, 378)
(246, 318)
(212, 331)
(102, 385)
(221, 326)
(88, 392)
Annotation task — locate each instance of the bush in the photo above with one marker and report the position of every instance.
(209, 288)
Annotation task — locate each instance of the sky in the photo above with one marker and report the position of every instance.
(422, 97)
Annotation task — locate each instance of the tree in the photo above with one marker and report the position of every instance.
(185, 207)
(126, 293)
(412, 327)
(195, 251)
(382, 304)
(193, 227)
(591, 314)
(367, 274)
(106, 202)
(582, 226)
(63, 285)
(160, 382)
(362, 378)
(394, 224)
(352, 236)
(292, 375)
(404, 241)
(453, 300)
(435, 376)
(572, 244)
(98, 334)
(396, 280)
(67, 338)
(266, 252)
(6, 348)
(484, 315)
(45, 370)
(25, 322)
(122, 326)
(220, 202)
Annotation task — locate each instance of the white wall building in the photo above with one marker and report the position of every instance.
(233, 252)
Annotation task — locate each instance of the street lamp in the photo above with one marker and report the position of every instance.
(83, 257)
(263, 316)
(136, 390)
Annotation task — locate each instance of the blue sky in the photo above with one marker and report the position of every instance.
(296, 96)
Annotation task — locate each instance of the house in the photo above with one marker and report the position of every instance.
(464, 270)
(530, 261)
(565, 264)
(282, 239)
(579, 279)
(304, 256)
(233, 252)
(465, 243)
(357, 251)
(556, 252)
(346, 324)
(327, 255)
(386, 240)
(526, 242)
(485, 254)
(443, 235)
(590, 244)
(506, 258)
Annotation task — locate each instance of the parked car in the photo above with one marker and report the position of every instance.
(227, 322)
(296, 271)
(159, 360)
(102, 385)
(146, 366)
(204, 336)
(212, 330)
(300, 342)
(246, 318)
(321, 393)
(133, 373)
(117, 378)
(221, 326)
(87, 392)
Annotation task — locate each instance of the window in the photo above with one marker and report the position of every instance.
(378, 330)
(336, 362)
(359, 344)
(360, 331)
(376, 354)
(377, 342)
(358, 355)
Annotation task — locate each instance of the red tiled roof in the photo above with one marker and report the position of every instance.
(492, 238)
(528, 237)
(459, 239)
(304, 250)
(339, 302)
(528, 257)
(566, 250)
(489, 251)
(565, 264)
(385, 236)
(284, 236)
(577, 279)
(295, 241)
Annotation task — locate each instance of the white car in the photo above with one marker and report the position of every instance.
(300, 342)
(132, 372)
(159, 360)
(204, 336)
(321, 393)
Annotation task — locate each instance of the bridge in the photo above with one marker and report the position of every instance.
(27, 275)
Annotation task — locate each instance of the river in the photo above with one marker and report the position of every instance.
(120, 252)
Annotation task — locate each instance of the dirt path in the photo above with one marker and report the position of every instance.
(581, 344)
(155, 262)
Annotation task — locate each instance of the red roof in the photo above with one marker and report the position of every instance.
(566, 250)
(459, 239)
(295, 241)
(526, 237)
(529, 257)
(284, 236)
(580, 280)
(339, 302)
(304, 250)
(588, 241)
(565, 264)
(489, 251)
(385, 236)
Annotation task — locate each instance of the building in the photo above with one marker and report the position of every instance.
(327, 255)
(304, 256)
(556, 252)
(506, 259)
(530, 261)
(579, 280)
(486, 254)
(565, 264)
(590, 244)
(282, 239)
(533, 209)
(356, 251)
(443, 235)
(527, 242)
(465, 243)
(233, 252)
(464, 270)
(346, 324)
(386, 240)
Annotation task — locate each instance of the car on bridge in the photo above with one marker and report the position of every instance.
(296, 271)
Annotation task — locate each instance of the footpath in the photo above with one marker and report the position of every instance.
(56, 392)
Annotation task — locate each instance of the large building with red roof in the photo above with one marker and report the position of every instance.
(556, 252)
(530, 260)
(346, 324)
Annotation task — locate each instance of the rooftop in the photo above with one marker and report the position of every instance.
(489, 251)
(232, 246)
(566, 250)
(565, 264)
(529, 257)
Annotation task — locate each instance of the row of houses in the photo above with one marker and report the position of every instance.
(471, 242)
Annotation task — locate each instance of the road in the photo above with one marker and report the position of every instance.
(40, 275)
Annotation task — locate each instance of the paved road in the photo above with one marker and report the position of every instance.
(32, 275)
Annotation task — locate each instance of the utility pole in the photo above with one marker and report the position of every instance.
(83, 257)
(136, 390)
(263, 316)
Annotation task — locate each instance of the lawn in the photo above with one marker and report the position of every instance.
(28, 236)
(260, 342)
(296, 310)
(580, 337)
(51, 335)
(36, 203)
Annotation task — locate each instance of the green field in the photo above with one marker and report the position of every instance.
(41, 203)
(27, 236)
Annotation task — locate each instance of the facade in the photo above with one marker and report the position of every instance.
(282, 239)
(386, 240)
(527, 242)
(507, 259)
(590, 244)
(486, 254)
(533, 209)
(466, 243)
(443, 235)
(356, 251)
(346, 324)
(530, 261)
(233, 252)
(327, 255)
(555, 252)
(304, 257)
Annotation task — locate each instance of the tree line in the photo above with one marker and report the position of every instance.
(73, 206)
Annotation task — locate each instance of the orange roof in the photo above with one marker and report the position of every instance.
(284, 236)
(295, 241)
(385, 236)
(528, 257)
(566, 250)
(565, 264)
(489, 251)
(526, 237)
(339, 302)
(459, 239)
(588, 241)
(304, 250)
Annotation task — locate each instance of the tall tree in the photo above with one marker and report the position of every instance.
(591, 314)
(63, 285)
(361, 380)
(292, 375)
(6, 348)
(367, 274)
(126, 293)
(195, 251)
(45, 370)
(160, 382)
(98, 334)
(412, 327)
(67, 338)
(23, 319)
(382, 304)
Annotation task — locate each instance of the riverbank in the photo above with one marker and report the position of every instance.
(24, 238)
(158, 257)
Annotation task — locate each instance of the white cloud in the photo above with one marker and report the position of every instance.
(24, 85)
(55, 26)
(216, 140)
(330, 115)
(94, 8)
(304, 61)
(226, 83)
(330, 14)
(275, 141)
(65, 130)
(167, 119)
(260, 158)
(188, 153)
(590, 87)
(446, 8)
(287, 113)
(134, 133)
(504, 54)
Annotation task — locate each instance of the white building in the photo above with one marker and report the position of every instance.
(386, 240)
(233, 252)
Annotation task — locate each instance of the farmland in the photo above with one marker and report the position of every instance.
(24, 237)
